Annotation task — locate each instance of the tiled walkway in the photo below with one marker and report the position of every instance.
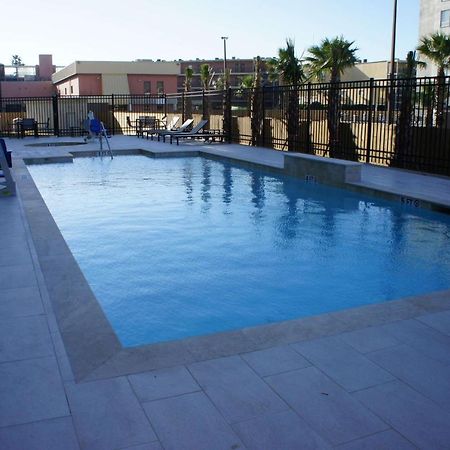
(382, 387)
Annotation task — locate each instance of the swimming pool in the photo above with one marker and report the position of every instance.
(190, 246)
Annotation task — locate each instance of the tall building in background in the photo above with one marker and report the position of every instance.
(434, 16)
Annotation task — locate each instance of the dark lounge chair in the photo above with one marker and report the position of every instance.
(210, 135)
(27, 124)
(183, 129)
(171, 126)
(197, 129)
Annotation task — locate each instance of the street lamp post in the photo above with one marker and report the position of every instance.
(224, 38)
(391, 99)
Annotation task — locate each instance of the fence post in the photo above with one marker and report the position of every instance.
(263, 109)
(55, 115)
(203, 104)
(308, 121)
(229, 116)
(183, 107)
(165, 104)
(113, 122)
(369, 120)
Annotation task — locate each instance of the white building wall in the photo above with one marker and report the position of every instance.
(430, 22)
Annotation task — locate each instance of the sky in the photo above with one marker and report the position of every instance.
(113, 30)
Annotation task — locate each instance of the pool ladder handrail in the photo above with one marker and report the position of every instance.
(104, 133)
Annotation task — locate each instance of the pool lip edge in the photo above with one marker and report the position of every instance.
(108, 358)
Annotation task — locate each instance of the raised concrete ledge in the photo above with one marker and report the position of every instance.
(87, 334)
(322, 170)
(48, 160)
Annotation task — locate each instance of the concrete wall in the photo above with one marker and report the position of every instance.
(27, 89)
(136, 83)
(81, 85)
(45, 67)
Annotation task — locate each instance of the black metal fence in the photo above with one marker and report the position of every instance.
(404, 123)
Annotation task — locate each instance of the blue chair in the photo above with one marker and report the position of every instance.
(6, 152)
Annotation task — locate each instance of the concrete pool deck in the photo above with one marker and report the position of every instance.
(370, 377)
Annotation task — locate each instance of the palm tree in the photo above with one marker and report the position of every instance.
(331, 58)
(245, 90)
(288, 70)
(206, 78)
(436, 48)
(189, 73)
(403, 131)
(16, 61)
(256, 105)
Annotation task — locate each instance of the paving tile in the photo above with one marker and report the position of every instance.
(14, 251)
(235, 389)
(284, 430)
(386, 440)
(163, 383)
(24, 337)
(107, 415)
(54, 434)
(275, 360)
(423, 338)
(150, 446)
(17, 276)
(191, 422)
(426, 375)
(439, 321)
(65, 368)
(342, 363)
(325, 406)
(20, 302)
(414, 416)
(31, 390)
(369, 339)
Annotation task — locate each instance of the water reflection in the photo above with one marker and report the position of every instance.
(257, 183)
(188, 184)
(289, 221)
(227, 184)
(206, 184)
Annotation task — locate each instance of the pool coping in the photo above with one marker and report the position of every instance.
(92, 346)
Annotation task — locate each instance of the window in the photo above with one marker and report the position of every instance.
(71, 89)
(445, 18)
(160, 87)
(65, 91)
(147, 87)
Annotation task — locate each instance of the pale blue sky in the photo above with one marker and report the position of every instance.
(172, 29)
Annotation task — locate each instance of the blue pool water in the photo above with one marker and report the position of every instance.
(190, 246)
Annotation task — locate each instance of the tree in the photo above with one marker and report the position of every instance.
(436, 48)
(206, 78)
(407, 87)
(288, 70)
(16, 61)
(189, 73)
(256, 105)
(331, 58)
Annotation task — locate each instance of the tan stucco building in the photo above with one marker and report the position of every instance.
(117, 77)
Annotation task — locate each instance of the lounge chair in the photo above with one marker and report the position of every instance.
(27, 124)
(171, 126)
(210, 135)
(183, 129)
(197, 129)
